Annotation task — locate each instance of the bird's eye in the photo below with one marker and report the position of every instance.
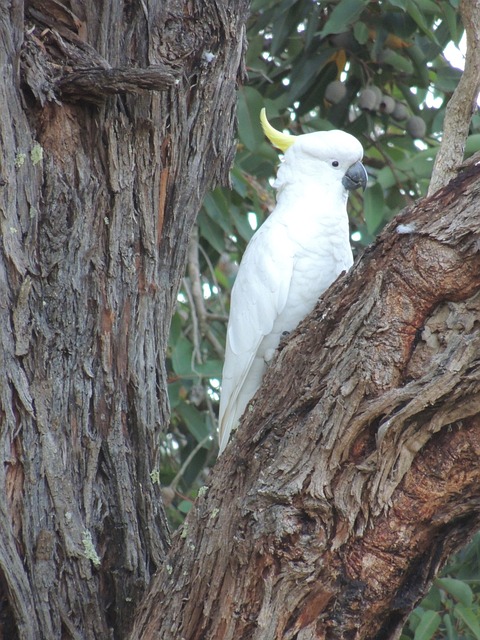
(335, 163)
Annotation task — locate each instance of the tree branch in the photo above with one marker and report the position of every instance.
(94, 85)
(354, 473)
(462, 104)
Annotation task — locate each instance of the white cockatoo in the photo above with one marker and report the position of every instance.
(301, 248)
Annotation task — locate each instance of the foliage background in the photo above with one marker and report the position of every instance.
(297, 49)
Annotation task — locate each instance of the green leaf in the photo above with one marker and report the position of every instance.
(256, 5)
(428, 625)
(360, 31)
(239, 184)
(343, 16)
(312, 24)
(418, 166)
(458, 589)
(447, 79)
(271, 14)
(415, 617)
(184, 506)
(432, 600)
(211, 232)
(452, 20)
(210, 369)
(254, 51)
(318, 124)
(175, 392)
(182, 357)
(175, 328)
(473, 144)
(250, 103)
(194, 421)
(373, 207)
(183, 365)
(451, 631)
(427, 7)
(305, 73)
(197, 463)
(418, 16)
(285, 25)
(241, 223)
(422, 78)
(217, 205)
(469, 618)
(399, 62)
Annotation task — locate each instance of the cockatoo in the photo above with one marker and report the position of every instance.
(296, 254)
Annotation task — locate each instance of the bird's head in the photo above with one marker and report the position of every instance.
(332, 156)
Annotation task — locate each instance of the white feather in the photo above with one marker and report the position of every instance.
(295, 255)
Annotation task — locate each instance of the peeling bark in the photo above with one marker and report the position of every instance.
(354, 474)
(96, 207)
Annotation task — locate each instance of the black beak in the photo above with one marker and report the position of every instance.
(355, 177)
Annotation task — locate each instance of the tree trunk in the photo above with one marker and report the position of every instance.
(116, 118)
(355, 472)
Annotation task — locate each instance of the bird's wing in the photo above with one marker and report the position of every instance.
(258, 297)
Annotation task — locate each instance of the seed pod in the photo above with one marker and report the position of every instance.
(400, 112)
(367, 100)
(416, 127)
(387, 104)
(335, 91)
(378, 95)
(168, 495)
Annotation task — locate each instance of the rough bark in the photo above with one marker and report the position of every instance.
(355, 471)
(114, 123)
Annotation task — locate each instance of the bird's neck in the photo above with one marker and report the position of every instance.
(311, 192)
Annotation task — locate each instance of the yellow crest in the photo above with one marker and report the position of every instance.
(280, 140)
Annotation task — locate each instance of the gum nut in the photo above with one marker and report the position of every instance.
(387, 104)
(168, 494)
(416, 127)
(367, 100)
(400, 112)
(227, 266)
(335, 91)
(197, 394)
(378, 95)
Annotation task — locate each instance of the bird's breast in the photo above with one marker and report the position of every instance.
(319, 259)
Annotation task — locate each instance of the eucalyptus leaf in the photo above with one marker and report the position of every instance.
(449, 627)
(458, 589)
(373, 207)
(182, 357)
(414, 11)
(194, 420)
(428, 625)
(469, 617)
(360, 31)
(447, 78)
(250, 103)
(345, 13)
(211, 232)
(184, 506)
